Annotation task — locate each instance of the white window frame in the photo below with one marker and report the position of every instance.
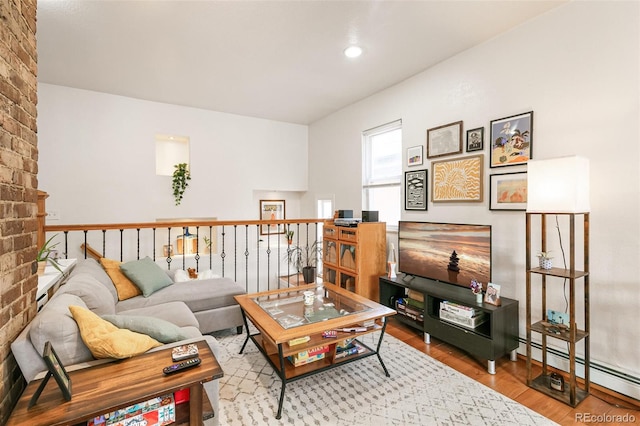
(367, 182)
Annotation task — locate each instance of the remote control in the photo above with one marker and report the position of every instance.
(181, 366)
(354, 329)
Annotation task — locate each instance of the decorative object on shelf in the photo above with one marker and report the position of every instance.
(304, 259)
(508, 191)
(444, 140)
(457, 180)
(415, 190)
(180, 181)
(45, 255)
(207, 244)
(546, 262)
(493, 294)
(511, 140)
(476, 288)
(167, 250)
(186, 243)
(475, 139)
(272, 210)
(556, 382)
(391, 264)
(414, 156)
(309, 296)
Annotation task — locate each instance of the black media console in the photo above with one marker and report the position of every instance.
(496, 337)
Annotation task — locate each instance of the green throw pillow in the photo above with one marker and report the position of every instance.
(147, 275)
(156, 328)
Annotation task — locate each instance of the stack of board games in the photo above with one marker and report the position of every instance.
(159, 411)
(308, 356)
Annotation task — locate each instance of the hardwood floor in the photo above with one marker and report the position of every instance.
(510, 380)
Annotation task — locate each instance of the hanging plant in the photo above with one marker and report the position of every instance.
(181, 178)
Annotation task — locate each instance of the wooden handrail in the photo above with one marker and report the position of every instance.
(173, 224)
(90, 250)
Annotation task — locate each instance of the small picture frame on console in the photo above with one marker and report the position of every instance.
(56, 369)
(492, 295)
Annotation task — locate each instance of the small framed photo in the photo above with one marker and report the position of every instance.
(414, 156)
(475, 139)
(415, 190)
(56, 369)
(511, 140)
(167, 250)
(272, 210)
(492, 295)
(444, 140)
(508, 191)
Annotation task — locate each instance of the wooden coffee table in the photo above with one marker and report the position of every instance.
(282, 316)
(119, 384)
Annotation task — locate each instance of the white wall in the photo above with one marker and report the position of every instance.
(97, 159)
(579, 73)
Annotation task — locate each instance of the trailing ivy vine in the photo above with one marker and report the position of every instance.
(181, 178)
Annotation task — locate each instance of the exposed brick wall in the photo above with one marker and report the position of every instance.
(18, 186)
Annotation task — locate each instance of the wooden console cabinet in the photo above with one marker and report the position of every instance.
(490, 340)
(354, 257)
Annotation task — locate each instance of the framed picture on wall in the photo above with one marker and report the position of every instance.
(414, 156)
(272, 210)
(475, 139)
(457, 180)
(444, 140)
(511, 140)
(508, 191)
(415, 190)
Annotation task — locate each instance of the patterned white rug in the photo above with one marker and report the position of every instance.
(420, 391)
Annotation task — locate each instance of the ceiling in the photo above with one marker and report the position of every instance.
(279, 60)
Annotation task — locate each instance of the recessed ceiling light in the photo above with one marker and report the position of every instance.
(353, 51)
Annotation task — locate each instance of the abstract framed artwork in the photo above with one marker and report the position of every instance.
(272, 210)
(508, 191)
(414, 156)
(475, 139)
(457, 180)
(415, 190)
(511, 140)
(444, 140)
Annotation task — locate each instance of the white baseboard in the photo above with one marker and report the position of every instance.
(600, 373)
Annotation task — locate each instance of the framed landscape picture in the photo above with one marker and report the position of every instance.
(271, 210)
(444, 140)
(511, 140)
(457, 179)
(415, 190)
(508, 191)
(475, 139)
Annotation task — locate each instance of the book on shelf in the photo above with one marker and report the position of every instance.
(458, 309)
(469, 322)
(299, 340)
(415, 303)
(309, 355)
(415, 295)
(354, 349)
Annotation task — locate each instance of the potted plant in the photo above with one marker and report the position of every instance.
(476, 288)
(44, 256)
(181, 178)
(289, 235)
(304, 259)
(545, 260)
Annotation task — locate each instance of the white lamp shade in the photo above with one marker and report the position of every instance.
(558, 185)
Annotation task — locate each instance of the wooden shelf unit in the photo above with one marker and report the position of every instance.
(354, 257)
(572, 394)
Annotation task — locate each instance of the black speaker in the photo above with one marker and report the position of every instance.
(345, 214)
(369, 215)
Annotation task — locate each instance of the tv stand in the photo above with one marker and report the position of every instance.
(496, 337)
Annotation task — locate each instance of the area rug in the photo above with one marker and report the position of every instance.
(420, 391)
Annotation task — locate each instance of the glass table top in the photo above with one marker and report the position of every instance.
(290, 309)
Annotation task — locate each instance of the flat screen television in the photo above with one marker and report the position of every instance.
(447, 252)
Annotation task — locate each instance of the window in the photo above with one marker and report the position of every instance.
(382, 172)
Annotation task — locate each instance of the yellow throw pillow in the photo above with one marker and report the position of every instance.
(124, 286)
(105, 340)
